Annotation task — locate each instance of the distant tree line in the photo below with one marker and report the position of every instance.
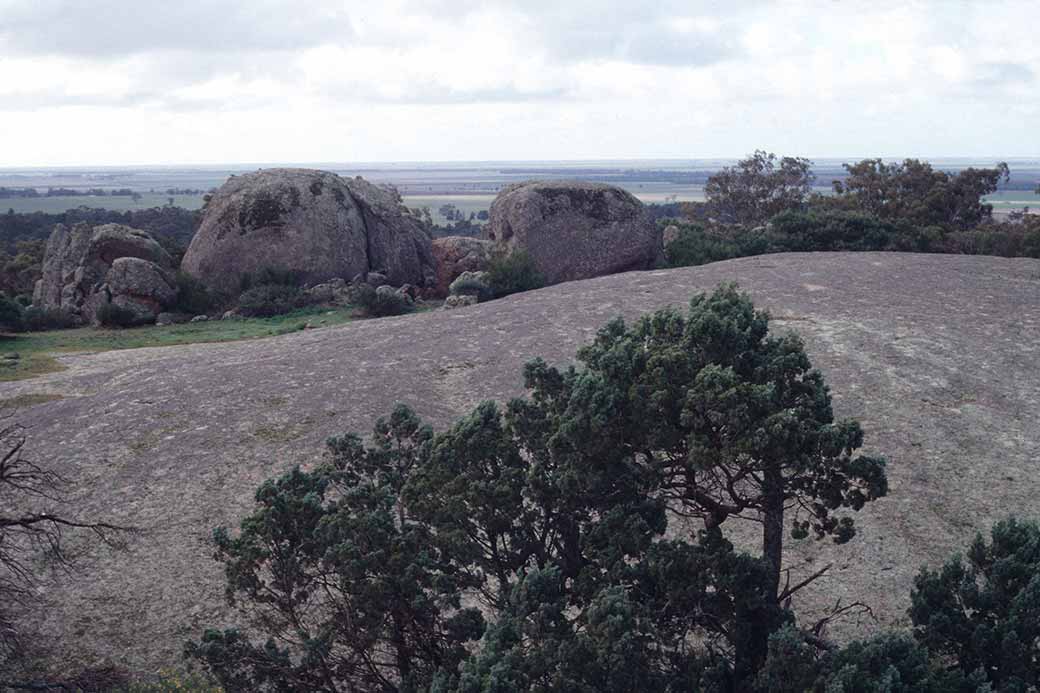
(31, 193)
(764, 204)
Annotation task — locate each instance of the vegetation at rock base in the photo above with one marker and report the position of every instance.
(373, 303)
(114, 316)
(512, 273)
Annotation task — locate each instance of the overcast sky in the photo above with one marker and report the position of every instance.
(235, 81)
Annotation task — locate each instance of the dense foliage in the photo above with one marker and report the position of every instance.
(551, 514)
(830, 230)
(512, 273)
(267, 300)
(758, 188)
(757, 207)
(915, 193)
(982, 610)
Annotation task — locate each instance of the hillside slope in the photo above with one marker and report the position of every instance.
(936, 355)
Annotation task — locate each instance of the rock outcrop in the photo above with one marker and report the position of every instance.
(454, 255)
(312, 223)
(86, 267)
(935, 354)
(574, 229)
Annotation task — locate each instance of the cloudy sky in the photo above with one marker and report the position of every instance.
(236, 81)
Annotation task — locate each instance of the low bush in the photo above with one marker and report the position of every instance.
(11, 315)
(271, 277)
(513, 273)
(268, 300)
(193, 297)
(695, 246)
(377, 304)
(472, 284)
(114, 316)
(40, 319)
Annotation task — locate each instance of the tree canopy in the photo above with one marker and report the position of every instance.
(914, 192)
(587, 521)
(758, 188)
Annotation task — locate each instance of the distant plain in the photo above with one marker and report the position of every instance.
(469, 186)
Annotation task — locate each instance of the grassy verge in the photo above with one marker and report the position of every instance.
(35, 351)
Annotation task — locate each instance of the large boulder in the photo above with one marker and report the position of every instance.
(311, 223)
(454, 255)
(86, 267)
(574, 229)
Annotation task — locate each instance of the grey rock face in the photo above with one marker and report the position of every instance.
(574, 229)
(454, 255)
(313, 223)
(86, 267)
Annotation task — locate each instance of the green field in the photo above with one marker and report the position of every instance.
(35, 351)
(56, 205)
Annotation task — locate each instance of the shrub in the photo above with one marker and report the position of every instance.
(377, 304)
(513, 273)
(112, 315)
(982, 610)
(472, 284)
(268, 300)
(193, 297)
(40, 319)
(695, 247)
(271, 276)
(11, 319)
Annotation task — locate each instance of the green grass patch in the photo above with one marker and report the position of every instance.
(36, 350)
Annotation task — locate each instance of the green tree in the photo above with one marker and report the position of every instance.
(983, 610)
(702, 415)
(552, 514)
(758, 188)
(915, 192)
(350, 591)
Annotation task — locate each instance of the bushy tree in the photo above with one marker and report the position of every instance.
(914, 192)
(552, 513)
(982, 610)
(350, 591)
(758, 188)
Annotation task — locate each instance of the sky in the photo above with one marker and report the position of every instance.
(116, 82)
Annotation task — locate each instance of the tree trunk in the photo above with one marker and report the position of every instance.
(773, 527)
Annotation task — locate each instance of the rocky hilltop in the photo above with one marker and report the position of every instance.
(311, 223)
(935, 354)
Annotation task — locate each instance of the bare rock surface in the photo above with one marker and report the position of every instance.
(85, 267)
(574, 229)
(935, 354)
(313, 223)
(454, 255)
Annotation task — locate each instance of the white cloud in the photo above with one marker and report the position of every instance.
(271, 80)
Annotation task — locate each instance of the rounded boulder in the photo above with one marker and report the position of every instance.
(314, 225)
(574, 229)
